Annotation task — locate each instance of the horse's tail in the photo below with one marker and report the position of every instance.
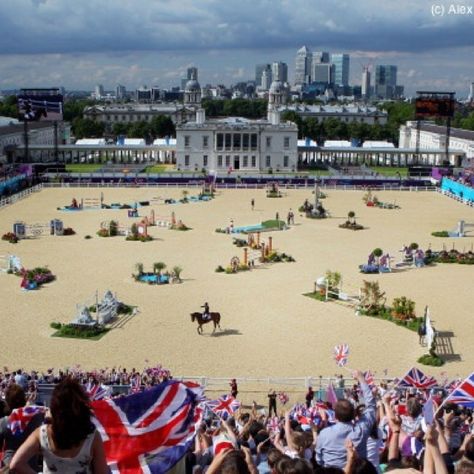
(192, 317)
(218, 318)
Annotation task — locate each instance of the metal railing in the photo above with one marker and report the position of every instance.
(334, 187)
(21, 195)
(256, 385)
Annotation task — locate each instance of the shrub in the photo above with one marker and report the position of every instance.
(103, 233)
(113, 228)
(69, 231)
(220, 269)
(414, 246)
(229, 270)
(378, 252)
(403, 308)
(441, 233)
(88, 237)
(433, 360)
(10, 237)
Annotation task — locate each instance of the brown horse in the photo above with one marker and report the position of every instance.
(215, 318)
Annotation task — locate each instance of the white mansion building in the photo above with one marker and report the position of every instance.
(434, 137)
(236, 143)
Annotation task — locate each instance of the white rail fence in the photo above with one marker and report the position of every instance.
(19, 196)
(345, 187)
(256, 385)
(339, 187)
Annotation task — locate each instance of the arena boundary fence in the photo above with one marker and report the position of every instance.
(254, 385)
(19, 196)
(338, 187)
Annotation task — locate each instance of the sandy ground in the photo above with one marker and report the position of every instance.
(269, 327)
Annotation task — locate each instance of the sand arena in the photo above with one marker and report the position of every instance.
(269, 328)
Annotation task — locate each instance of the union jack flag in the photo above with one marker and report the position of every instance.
(97, 391)
(273, 424)
(224, 406)
(416, 378)
(341, 354)
(20, 418)
(148, 432)
(452, 385)
(463, 394)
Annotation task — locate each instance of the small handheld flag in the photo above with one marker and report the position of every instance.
(341, 354)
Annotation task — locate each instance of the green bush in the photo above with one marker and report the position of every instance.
(433, 360)
(220, 269)
(378, 252)
(70, 330)
(87, 237)
(441, 233)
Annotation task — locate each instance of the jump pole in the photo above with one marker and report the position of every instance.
(245, 255)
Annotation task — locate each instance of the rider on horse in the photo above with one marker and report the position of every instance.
(206, 314)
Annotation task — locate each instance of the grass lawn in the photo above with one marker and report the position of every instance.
(83, 168)
(160, 169)
(390, 170)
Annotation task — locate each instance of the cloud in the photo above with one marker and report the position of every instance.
(78, 42)
(66, 26)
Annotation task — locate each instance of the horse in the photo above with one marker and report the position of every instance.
(215, 318)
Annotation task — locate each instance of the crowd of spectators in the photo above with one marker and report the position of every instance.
(373, 429)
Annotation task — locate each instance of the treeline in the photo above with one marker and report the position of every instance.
(237, 107)
(335, 129)
(159, 127)
(460, 120)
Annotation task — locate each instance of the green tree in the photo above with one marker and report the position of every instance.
(8, 107)
(87, 128)
(120, 128)
(162, 126)
(139, 130)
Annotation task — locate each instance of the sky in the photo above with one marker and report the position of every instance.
(80, 43)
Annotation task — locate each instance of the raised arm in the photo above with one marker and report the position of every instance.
(370, 403)
(432, 449)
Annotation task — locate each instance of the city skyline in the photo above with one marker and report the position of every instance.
(79, 45)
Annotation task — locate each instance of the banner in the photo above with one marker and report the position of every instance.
(36, 105)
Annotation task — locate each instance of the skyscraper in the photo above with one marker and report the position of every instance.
(280, 71)
(99, 91)
(320, 57)
(385, 81)
(303, 66)
(341, 68)
(120, 91)
(192, 73)
(259, 68)
(365, 83)
(266, 79)
(323, 73)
